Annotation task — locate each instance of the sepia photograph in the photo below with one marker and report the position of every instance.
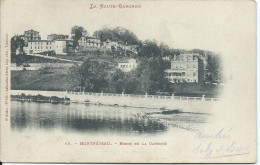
(142, 81)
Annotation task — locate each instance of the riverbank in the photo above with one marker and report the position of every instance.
(54, 99)
(40, 98)
(185, 104)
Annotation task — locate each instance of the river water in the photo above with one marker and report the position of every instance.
(99, 119)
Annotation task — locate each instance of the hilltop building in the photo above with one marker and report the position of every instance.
(63, 47)
(186, 68)
(61, 43)
(128, 66)
(89, 42)
(108, 44)
(30, 35)
(39, 46)
(119, 45)
(132, 48)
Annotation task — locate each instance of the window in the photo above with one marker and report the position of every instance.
(35, 47)
(47, 43)
(46, 47)
(50, 47)
(31, 47)
(188, 66)
(41, 47)
(194, 73)
(194, 65)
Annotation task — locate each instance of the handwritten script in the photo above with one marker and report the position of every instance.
(218, 145)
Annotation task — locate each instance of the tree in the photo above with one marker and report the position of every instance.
(16, 42)
(76, 77)
(117, 34)
(214, 67)
(76, 32)
(151, 75)
(117, 81)
(198, 51)
(150, 49)
(90, 76)
(59, 36)
(164, 48)
(176, 51)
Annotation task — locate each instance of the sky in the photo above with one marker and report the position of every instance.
(181, 25)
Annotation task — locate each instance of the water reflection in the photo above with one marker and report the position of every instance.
(81, 118)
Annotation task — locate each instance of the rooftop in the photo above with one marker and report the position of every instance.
(40, 41)
(31, 31)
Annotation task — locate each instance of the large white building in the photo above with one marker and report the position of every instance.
(128, 66)
(186, 68)
(40, 46)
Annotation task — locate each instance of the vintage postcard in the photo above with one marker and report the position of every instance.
(128, 81)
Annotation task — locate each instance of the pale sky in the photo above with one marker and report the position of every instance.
(197, 24)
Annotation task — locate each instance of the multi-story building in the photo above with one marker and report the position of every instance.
(63, 47)
(38, 46)
(30, 35)
(111, 44)
(89, 42)
(186, 68)
(59, 46)
(119, 45)
(128, 66)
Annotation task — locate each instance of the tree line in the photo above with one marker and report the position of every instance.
(93, 76)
